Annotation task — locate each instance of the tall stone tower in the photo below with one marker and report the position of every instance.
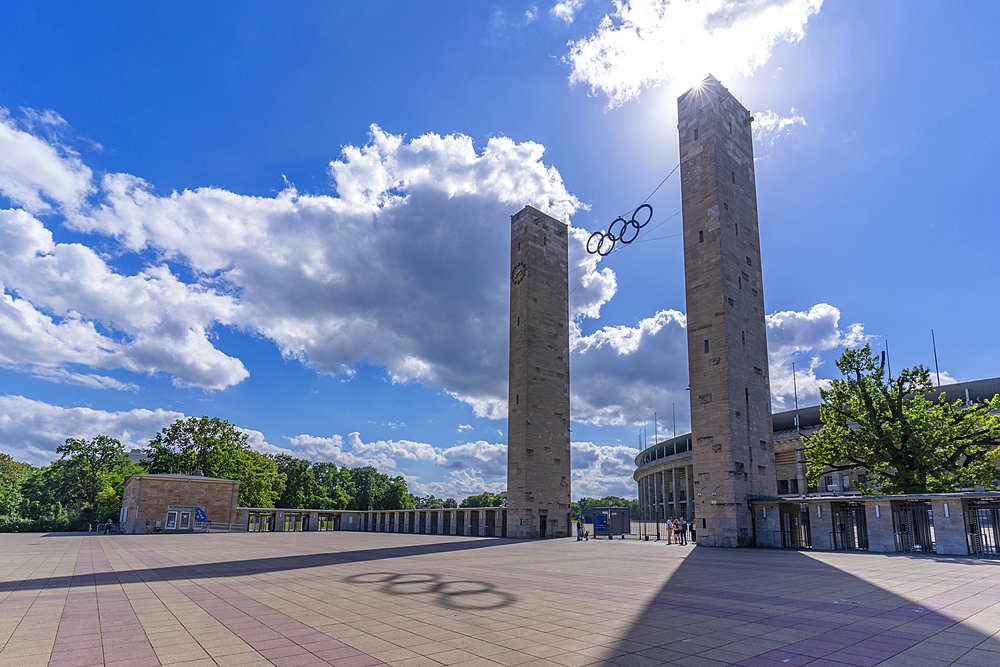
(727, 346)
(538, 471)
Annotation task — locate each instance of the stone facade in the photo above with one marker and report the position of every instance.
(727, 346)
(154, 497)
(538, 431)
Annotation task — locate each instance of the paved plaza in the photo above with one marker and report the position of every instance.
(357, 599)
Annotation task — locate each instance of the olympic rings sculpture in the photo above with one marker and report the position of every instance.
(603, 242)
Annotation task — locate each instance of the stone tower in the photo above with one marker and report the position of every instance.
(727, 347)
(538, 471)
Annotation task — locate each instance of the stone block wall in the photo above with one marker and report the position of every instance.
(878, 517)
(950, 527)
(821, 525)
(149, 497)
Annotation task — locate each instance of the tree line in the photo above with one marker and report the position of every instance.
(85, 484)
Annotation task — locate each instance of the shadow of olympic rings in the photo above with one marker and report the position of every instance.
(596, 242)
(455, 594)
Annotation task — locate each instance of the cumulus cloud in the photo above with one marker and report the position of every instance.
(35, 173)
(798, 337)
(31, 430)
(648, 42)
(332, 449)
(768, 126)
(603, 470)
(621, 375)
(567, 9)
(457, 484)
(57, 295)
(406, 268)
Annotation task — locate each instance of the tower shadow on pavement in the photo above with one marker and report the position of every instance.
(763, 608)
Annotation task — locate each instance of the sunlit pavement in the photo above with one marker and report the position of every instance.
(357, 599)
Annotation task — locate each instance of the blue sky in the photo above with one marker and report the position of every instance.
(297, 219)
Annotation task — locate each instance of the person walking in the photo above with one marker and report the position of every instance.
(579, 530)
(682, 525)
(147, 526)
(670, 529)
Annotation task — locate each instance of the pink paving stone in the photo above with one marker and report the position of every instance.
(687, 587)
(77, 658)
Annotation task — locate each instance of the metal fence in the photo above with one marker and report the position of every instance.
(219, 527)
(639, 530)
(984, 526)
(913, 527)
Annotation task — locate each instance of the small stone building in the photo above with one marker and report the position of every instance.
(176, 503)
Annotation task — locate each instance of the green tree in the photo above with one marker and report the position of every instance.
(302, 489)
(90, 466)
(485, 499)
(12, 474)
(589, 504)
(337, 484)
(216, 448)
(907, 439)
(370, 487)
(397, 497)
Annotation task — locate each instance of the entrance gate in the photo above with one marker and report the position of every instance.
(913, 526)
(795, 526)
(984, 524)
(850, 527)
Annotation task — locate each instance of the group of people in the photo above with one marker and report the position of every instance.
(677, 530)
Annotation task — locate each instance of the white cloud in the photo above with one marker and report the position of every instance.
(567, 9)
(531, 14)
(488, 459)
(945, 378)
(258, 443)
(57, 295)
(35, 173)
(603, 470)
(768, 126)
(397, 449)
(622, 375)
(799, 337)
(406, 268)
(458, 484)
(332, 449)
(31, 430)
(464, 427)
(649, 42)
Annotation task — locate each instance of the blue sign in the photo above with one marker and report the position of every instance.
(600, 523)
(200, 513)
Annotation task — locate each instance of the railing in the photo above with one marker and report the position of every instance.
(109, 529)
(638, 530)
(219, 527)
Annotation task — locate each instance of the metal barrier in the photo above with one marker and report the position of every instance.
(984, 527)
(219, 527)
(913, 526)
